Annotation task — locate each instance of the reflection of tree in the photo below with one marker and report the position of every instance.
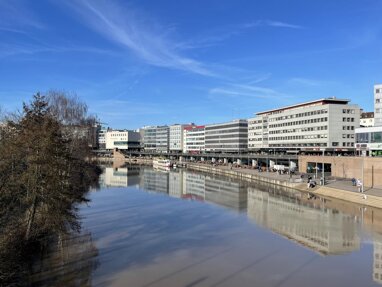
(69, 262)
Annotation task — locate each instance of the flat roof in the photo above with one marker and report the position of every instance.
(324, 101)
(226, 123)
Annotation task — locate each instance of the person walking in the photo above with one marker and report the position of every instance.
(359, 185)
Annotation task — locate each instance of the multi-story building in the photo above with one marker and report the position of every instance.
(326, 123)
(122, 139)
(227, 137)
(369, 140)
(193, 139)
(378, 105)
(162, 137)
(101, 137)
(148, 135)
(177, 137)
(367, 119)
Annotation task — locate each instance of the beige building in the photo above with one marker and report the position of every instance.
(326, 123)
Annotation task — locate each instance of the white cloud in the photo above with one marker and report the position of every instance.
(128, 28)
(240, 90)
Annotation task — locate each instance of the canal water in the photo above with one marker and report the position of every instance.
(145, 227)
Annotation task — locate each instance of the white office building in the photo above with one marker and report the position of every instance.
(378, 105)
(122, 139)
(177, 137)
(101, 137)
(311, 126)
(148, 135)
(367, 119)
(227, 137)
(369, 140)
(162, 137)
(193, 139)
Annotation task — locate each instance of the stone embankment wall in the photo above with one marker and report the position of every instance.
(241, 175)
(349, 167)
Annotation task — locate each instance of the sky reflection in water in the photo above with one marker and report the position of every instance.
(245, 235)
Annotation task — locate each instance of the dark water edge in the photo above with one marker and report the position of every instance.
(151, 228)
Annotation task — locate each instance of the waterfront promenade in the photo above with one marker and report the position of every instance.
(337, 188)
(341, 189)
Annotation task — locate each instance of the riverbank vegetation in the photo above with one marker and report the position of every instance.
(45, 173)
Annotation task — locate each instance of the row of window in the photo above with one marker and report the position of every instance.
(299, 115)
(373, 137)
(305, 137)
(307, 129)
(303, 122)
(344, 136)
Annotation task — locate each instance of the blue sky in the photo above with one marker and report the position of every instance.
(152, 62)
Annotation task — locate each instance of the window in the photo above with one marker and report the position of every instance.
(376, 137)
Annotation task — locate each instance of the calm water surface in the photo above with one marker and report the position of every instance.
(180, 228)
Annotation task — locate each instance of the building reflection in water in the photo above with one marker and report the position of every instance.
(324, 230)
(326, 227)
(154, 180)
(121, 177)
(377, 258)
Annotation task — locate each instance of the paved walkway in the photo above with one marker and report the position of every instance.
(347, 185)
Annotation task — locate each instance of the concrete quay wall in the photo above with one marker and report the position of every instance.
(349, 167)
(242, 175)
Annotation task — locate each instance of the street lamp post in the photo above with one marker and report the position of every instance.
(323, 167)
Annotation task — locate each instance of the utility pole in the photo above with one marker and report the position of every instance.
(323, 167)
(363, 175)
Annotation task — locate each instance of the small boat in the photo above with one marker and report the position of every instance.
(161, 163)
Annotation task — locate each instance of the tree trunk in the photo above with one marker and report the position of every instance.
(31, 218)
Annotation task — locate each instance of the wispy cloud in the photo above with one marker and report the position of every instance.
(217, 35)
(270, 23)
(12, 49)
(243, 90)
(130, 29)
(16, 15)
(304, 81)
